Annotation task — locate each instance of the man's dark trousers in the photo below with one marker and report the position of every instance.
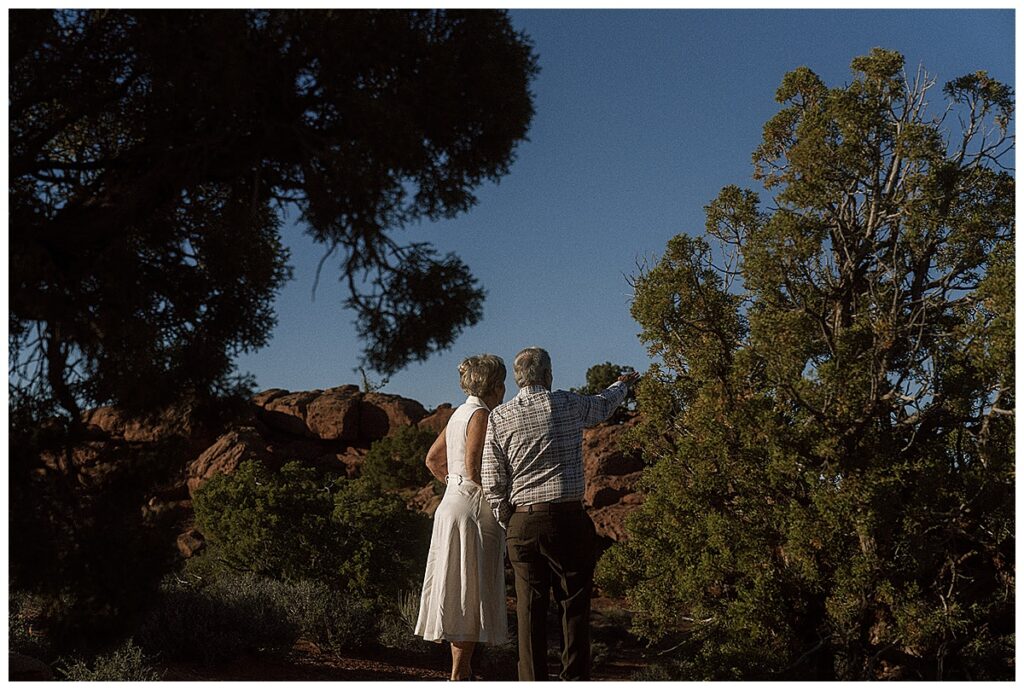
(553, 550)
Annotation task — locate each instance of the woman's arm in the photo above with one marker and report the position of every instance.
(437, 457)
(475, 434)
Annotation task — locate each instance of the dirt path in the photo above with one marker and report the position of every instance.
(617, 657)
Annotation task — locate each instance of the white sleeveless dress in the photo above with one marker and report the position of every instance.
(463, 597)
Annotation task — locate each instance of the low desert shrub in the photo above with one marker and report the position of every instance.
(334, 620)
(295, 525)
(218, 615)
(218, 621)
(379, 545)
(23, 631)
(126, 663)
(276, 524)
(600, 653)
(398, 622)
(397, 461)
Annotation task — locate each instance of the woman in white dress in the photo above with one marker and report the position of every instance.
(463, 598)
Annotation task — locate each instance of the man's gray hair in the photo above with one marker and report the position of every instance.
(532, 367)
(481, 374)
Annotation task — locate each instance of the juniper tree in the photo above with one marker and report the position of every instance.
(153, 155)
(829, 429)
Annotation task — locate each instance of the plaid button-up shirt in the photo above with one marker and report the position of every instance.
(533, 451)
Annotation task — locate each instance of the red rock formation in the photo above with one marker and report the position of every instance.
(190, 543)
(333, 429)
(336, 415)
(610, 473)
(224, 456)
(287, 412)
(119, 426)
(438, 419)
(381, 414)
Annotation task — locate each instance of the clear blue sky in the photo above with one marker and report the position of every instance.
(642, 117)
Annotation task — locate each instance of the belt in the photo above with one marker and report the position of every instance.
(561, 507)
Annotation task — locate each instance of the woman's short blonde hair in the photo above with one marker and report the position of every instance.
(481, 374)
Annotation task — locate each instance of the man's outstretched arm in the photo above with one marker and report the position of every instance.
(597, 408)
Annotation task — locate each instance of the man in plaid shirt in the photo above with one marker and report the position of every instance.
(532, 476)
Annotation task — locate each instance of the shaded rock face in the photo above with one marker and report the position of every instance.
(190, 542)
(224, 456)
(337, 414)
(611, 475)
(288, 411)
(438, 419)
(329, 429)
(116, 425)
(423, 500)
(381, 414)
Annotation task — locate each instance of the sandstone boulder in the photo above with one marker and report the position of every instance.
(424, 500)
(226, 454)
(336, 415)
(93, 463)
(159, 510)
(381, 414)
(603, 454)
(611, 475)
(190, 543)
(118, 425)
(349, 461)
(342, 414)
(287, 412)
(438, 419)
(262, 398)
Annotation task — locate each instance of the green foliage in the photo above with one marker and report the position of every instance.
(335, 620)
(127, 663)
(397, 461)
(293, 525)
(23, 625)
(225, 614)
(380, 545)
(829, 431)
(654, 672)
(147, 189)
(274, 524)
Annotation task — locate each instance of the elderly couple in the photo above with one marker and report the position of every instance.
(513, 468)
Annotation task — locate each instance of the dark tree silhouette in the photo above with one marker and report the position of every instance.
(152, 154)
